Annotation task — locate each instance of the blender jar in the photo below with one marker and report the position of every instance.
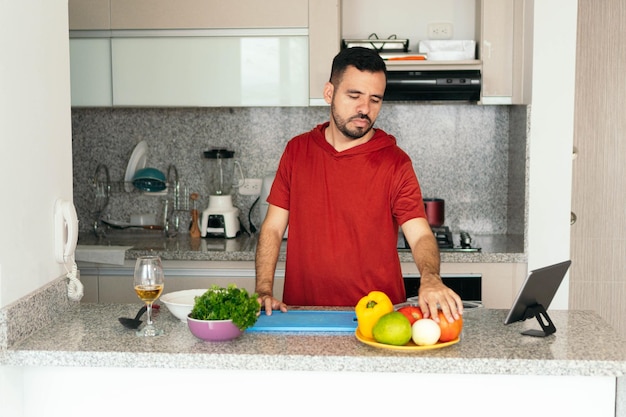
(223, 172)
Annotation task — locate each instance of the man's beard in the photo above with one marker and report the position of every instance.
(342, 124)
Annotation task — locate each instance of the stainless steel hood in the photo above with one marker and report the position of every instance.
(437, 85)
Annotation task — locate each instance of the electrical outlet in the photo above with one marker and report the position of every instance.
(440, 31)
(251, 186)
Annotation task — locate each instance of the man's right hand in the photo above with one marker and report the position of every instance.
(269, 303)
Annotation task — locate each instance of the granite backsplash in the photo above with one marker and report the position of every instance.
(472, 156)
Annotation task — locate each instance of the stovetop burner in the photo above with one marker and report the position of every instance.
(443, 236)
(446, 242)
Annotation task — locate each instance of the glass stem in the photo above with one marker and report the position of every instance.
(149, 312)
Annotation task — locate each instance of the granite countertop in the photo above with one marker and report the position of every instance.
(494, 248)
(89, 335)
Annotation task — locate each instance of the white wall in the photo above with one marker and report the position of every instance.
(551, 137)
(35, 140)
(407, 19)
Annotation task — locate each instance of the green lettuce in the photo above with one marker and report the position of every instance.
(230, 303)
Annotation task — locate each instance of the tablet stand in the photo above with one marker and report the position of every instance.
(542, 317)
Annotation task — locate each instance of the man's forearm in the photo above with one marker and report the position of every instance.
(267, 251)
(427, 259)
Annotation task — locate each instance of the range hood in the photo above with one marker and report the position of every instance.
(433, 85)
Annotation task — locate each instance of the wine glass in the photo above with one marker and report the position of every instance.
(148, 283)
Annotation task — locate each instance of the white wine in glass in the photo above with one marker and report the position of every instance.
(148, 283)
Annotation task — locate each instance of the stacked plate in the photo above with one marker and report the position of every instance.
(137, 161)
(141, 177)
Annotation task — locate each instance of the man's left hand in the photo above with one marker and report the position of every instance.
(435, 295)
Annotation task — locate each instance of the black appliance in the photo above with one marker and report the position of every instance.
(445, 241)
(435, 85)
(467, 286)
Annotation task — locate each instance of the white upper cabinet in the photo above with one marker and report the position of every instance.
(211, 71)
(89, 14)
(208, 14)
(505, 50)
(90, 72)
(186, 14)
(203, 52)
(324, 44)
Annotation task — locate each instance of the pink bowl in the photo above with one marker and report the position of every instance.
(213, 330)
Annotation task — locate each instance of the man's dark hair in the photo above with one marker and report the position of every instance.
(363, 59)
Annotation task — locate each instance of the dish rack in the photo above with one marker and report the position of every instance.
(104, 188)
(391, 44)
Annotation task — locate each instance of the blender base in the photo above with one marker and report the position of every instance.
(221, 218)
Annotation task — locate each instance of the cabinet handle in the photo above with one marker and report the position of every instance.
(572, 218)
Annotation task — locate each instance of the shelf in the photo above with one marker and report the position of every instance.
(426, 65)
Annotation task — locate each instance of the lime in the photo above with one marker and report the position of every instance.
(392, 329)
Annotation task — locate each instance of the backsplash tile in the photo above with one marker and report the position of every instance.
(461, 153)
(33, 312)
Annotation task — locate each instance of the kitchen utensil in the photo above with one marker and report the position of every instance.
(150, 180)
(148, 283)
(133, 323)
(435, 211)
(137, 161)
(194, 232)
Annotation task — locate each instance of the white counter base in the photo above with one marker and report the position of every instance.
(69, 391)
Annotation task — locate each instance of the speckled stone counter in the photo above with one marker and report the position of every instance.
(91, 336)
(495, 248)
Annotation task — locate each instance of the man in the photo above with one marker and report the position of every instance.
(344, 188)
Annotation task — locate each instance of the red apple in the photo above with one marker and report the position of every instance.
(412, 313)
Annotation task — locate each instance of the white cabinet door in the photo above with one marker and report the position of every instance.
(207, 14)
(505, 49)
(210, 71)
(89, 14)
(90, 72)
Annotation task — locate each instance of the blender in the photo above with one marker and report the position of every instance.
(221, 218)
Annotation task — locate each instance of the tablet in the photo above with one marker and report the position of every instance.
(535, 297)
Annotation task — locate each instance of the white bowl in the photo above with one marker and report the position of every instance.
(180, 303)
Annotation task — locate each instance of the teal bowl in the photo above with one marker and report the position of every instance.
(149, 179)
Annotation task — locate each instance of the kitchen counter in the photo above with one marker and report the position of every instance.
(577, 369)
(90, 335)
(495, 248)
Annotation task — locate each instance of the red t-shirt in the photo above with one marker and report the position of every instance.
(344, 211)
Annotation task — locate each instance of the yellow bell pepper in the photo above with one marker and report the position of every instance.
(371, 308)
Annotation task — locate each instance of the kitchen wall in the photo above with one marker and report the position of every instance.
(407, 19)
(472, 156)
(35, 156)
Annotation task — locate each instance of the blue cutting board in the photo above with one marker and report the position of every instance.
(306, 321)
